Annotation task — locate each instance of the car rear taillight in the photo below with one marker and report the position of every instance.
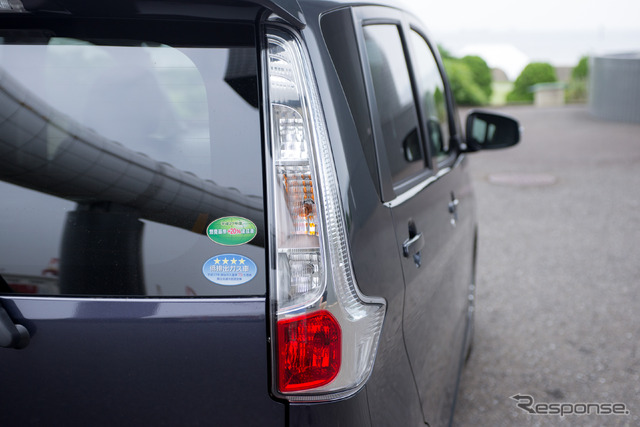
(308, 351)
(326, 331)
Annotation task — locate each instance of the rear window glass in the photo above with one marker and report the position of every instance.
(116, 157)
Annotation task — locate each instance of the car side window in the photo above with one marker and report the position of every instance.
(432, 97)
(395, 102)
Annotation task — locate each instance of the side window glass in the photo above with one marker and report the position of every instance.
(431, 97)
(394, 97)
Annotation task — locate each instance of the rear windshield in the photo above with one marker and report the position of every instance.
(130, 161)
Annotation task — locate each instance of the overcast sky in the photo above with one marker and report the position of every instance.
(509, 34)
(536, 15)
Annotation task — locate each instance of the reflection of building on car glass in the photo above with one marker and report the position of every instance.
(123, 131)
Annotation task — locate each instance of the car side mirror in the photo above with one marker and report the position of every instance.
(488, 131)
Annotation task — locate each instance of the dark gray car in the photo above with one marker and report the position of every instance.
(231, 213)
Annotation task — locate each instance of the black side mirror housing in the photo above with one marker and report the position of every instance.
(489, 131)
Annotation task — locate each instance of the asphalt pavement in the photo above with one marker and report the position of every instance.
(558, 281)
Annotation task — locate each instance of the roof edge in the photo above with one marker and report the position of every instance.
(289, 10)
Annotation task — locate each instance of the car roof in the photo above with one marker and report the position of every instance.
(289, 10)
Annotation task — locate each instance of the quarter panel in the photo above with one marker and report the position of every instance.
(350, 412)
(390, 391)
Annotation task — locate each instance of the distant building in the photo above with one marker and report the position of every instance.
(548, 94)
(498, 75)
(614, 87)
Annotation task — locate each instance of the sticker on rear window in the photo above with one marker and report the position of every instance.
(229, 269)
(231, 230)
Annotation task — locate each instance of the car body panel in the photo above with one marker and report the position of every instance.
(138, 362)
(436, 296)
(372, 237)
(436, 290)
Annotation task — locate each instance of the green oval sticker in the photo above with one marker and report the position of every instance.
(231, 230)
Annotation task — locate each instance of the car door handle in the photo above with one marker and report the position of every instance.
(412, 246)
(12, 335)
(453, 209)
(453, 206)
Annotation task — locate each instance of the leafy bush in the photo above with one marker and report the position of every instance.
(534, 73)
(469, 77)
(444, 52)
(577, 88)
(481, 73)
(581, 71)
(465, 90)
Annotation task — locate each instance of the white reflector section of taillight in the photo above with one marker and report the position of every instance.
(300, 280)
(313, 268)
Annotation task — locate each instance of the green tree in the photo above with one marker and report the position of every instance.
(534, 73)
(469, 77)
(481, 73)
(465, 90)
(581, 71)
(577, 88)
(444, 52)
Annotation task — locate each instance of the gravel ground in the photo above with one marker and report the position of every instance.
(558, 292)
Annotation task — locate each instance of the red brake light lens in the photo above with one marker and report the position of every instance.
(310, 351)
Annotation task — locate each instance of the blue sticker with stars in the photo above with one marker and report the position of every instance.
(229, 269)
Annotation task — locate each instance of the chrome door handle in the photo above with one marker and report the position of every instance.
(453, 209)
(453, 206)
(412, 246)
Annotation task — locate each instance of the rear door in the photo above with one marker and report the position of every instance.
(428, 191)
(132, 222)
(438, 286)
